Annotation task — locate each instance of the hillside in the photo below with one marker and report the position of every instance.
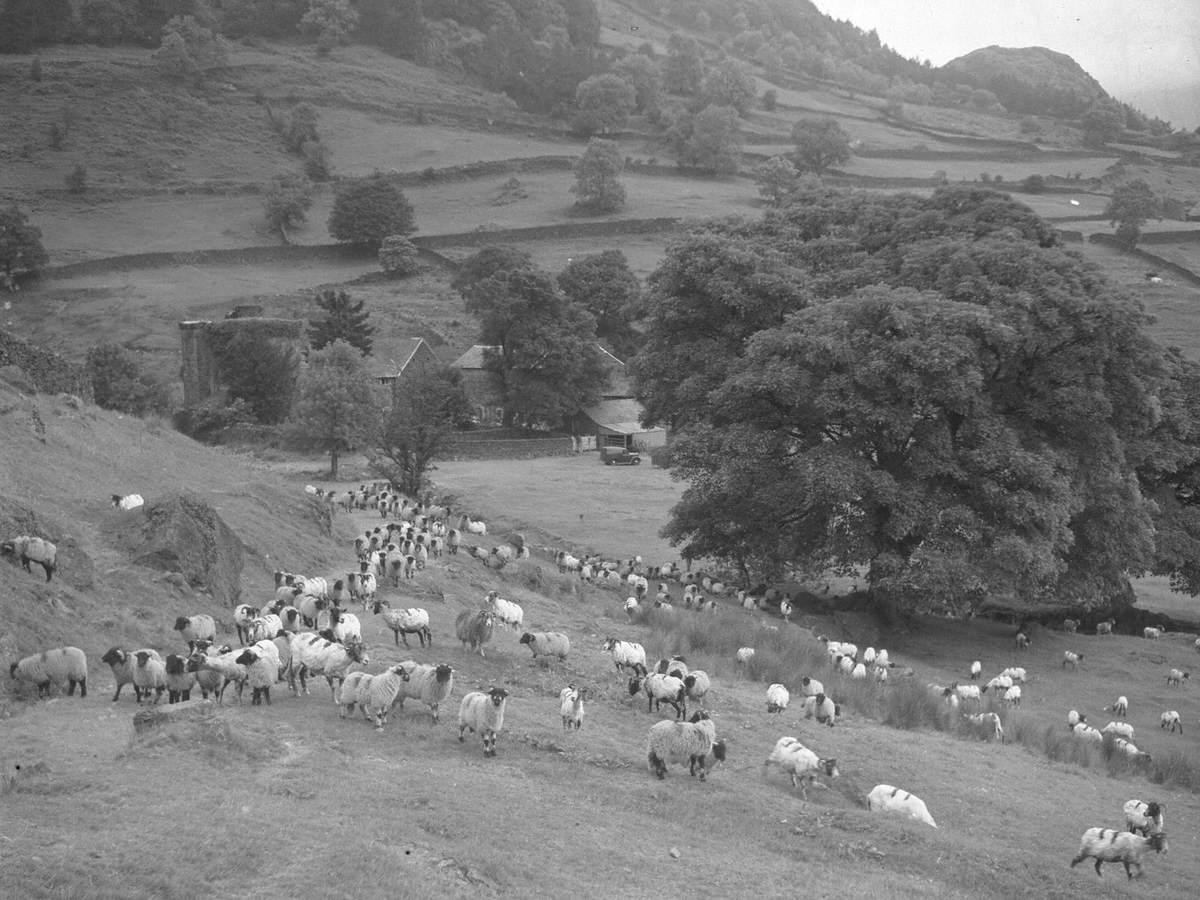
(1029, 79)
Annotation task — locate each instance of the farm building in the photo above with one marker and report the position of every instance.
(480, 385)
(410, 356)
(615, 422)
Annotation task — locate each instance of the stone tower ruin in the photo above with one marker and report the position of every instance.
(200, 370)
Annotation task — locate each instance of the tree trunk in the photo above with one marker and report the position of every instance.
(333, 462)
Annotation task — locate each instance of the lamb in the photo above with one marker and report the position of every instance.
(1121, 729)
(352, 688)
(262, 670)
(547, 643)
(149, 674)
(570, 707)
(976, 670)
(823, 708)
(1071, 658)
(885, 798)
(696, 684)
(428, 683)
(1121, 706)
(32, 549)
(474, 627)
(1144, 818)
(660, 689)
(811, 687)
(128, 502)
(483, 713)
(179, 680)
(987, 724)
(674, 742)
(1152, 633)
(508, 614)
(122, 662)
(1170, 720)
(195, 628)
(777, 698)
(404, 622)
(1176, 677)
(382, 692)
(1107, 845)
(64, 666)
(744, 655)
(800, 763)
(625, 654)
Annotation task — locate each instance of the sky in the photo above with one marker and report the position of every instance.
(1143, 52)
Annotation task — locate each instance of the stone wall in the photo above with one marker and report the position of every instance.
(200, 369)
(46, 370)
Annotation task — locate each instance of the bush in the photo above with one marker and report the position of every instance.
(1034, 184)
(77, 180)
(205, 421)
(286, 201)
(300, 128)
(366, 210)
(316, 161)
(770, 99)
(398, 256)
(120, 384)
(35, 69)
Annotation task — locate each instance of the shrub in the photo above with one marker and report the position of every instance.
(770, 99)
(366, 210)
(1034, 184)
(286, 201)
(398, 255)
(206, 420)
(35, 69)
(57, 135)
(77, 179)
(120, 384)
(301, 128)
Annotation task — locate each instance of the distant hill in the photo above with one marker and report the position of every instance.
(1031, 80)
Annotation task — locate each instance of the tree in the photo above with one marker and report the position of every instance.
(776, 179)
(1103, 122)
(121, 384)
(398, 256)
(1131, 204)
(189, 50)
(641, 72)
(820, 143)
(21, 250)
(596, 174)
(729, 84)
(337, 404)
(929, 390)
(331, 22)
(583, 22)
(604, 285)
(345, 320)
(286, 201)
(708, 140)
(424, 413)
(603, 103)
(683, 69)
(301, 127)
(368, 209)
(261, 373)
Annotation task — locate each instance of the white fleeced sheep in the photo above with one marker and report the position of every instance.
(976, 670)
(744, 655)
(1107, 845)
(868, 656)
(474, 627)
(404, 622)
(430, 684)
(859, 673)
(1012, 696)
(1171, 721)
(483, 714)
(1177, 677)
(1071, 658)
(179, 680)
(1088, 733)
(243, 615)
(625, 654)
(315, 655)
(121, 662)
(1121, 706)
(350, 690)
(1016, 673)
(1121, 729)
(262, 670)
(679, 742)
(1105, 627)
(382, 693)
(64, 666)
(570, 707)
(885, 798)
(345, 626)
(777, 698)
(1144, 818)
(263, 628)
(1151, 633)
(1130, 750)
(660, 689)
(987, 725)
(128, 502)
(810, 687)
(27, 549)
(696, 684)
(1074, 717)
(215, 673)
(631, 607)
(1196, 644)
(508, 614)
(800, 763)
(822, 708)
(547, 643)
(149, 674)
(675, 665)
(196, 628)
(966, 691)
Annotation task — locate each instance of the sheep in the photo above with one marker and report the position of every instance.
(1171, 720)
(263, 628)
(810, 687)
(472, 526)
(262, 670)
(474, 627)
(859, 673)
(1071, 658)
(777, 698)
(660, 689)
(1108, 845)
(987, 724)
(428, 683)
(1012, 696)
(1152, 633)
(508, 614)
(404, 622)
(631, 607)
(1130, 750)
(243, 615)
(483, 714)
(345, 626)
(744, 655)
(1105, 627)
(676, 666)
(351, 686)
(1070, 626)
(965, 691)
(215, 673)
(1177, 678)
(128, 502)
(1021, 640)
(315, 655)
(976, 670)
(32, 549)
(121, 662)
(823, 708)
(1196, 644)
(179, 679)
(881, 659)
(1088, 733)
(696, 684)
(1144, 818)
(1074, 718)
(194, 628)
(1016, 673)
(674, 742)
(1121, 729)
(547, 643)
(64, 666)
(149, 674)
(382, 692)
(800, 763)
(999, 683)
(570, 707)
(625, 654)
(885, 798)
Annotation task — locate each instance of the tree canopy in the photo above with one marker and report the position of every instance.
(596, 178)
(424, 413)
(21, 250)
(820, 143)
(337, 404)
(344, 320)
(366, 210)
(603, 103)
(929, 390)
(604, 285)
(1131, 204)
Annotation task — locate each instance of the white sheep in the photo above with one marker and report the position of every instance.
(547, 643)
(32, 549)
(822, 708)
(1074, 717)
(1196, 644)
(1012, 696)
(1016, 673)
(1121, 706)
(675, 665)
(777, 698)
(625, 654)
(1152, 633)
(660, 689)
(429, 684)
(976, 670)
(196, 628)
(64, 666)
(404, 622)
(696, 684)
(483, 714)
(1108, 845)
(845, 664)
(1130, 750)
(1144, 818)
(243, 615)
(810, 687)
(859, 673)
(1176, 677)
(1088, 733)
(679, 742)
(214, 673)
(350, 691)
(315, 655)
(868, 656)
(882, 659)
(965, 691)
(1071, 658)
(474, 627)
(987, 724)
(149, 674)
(631, 606)
(1121, 729)
(263, 628)
(382, 693)
(1105, 627)
(1171, 720)
(128, 502)
(262, 670)
(885, 798)
(744, 655)
(800, 763)
(179, 680)
(570, 707)
(344, 626)
(122, 662)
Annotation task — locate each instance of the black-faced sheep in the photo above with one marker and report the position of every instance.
(128, 502)
(676, 666)
(696, 684)
(196, 628)
(1121, 706)
(352, 686)
(679, 742)
(1106, 845)
(777, 698)
(625, 654)
(430, 684)
(179, 679)
(483, 714)
(214, 673)
(149, 674)
(986, 725)
(822, 708)
(122, 662)
(547, 643)
(508, 614)
(382, 693)
(262, 670)
(660, 689)
(1171, 721)
(1071, 658)
(243, 615)
(800, 763)
(32, 549)
(570, 707)
(64, 666)
(885, 798)
(1144, 818)
(474, 627)
(314, 655)
(1177, 677)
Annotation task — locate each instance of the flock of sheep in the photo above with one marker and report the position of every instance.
(307, 629)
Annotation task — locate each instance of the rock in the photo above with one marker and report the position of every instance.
(152, 718)
(674, 853)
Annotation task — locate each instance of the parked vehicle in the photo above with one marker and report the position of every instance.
(619, 456)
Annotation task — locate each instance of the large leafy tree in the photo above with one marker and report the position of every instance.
(344, 320)
(366, 210)
(820, 143)
(729, 84)
(424, 413)
(337, 404)
(604, 285)
(603, 103)
(262, 372)
(1131, 204)
(707, 140)
(683, 69)
(597, 173)
(927, 389)
(21, 250)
